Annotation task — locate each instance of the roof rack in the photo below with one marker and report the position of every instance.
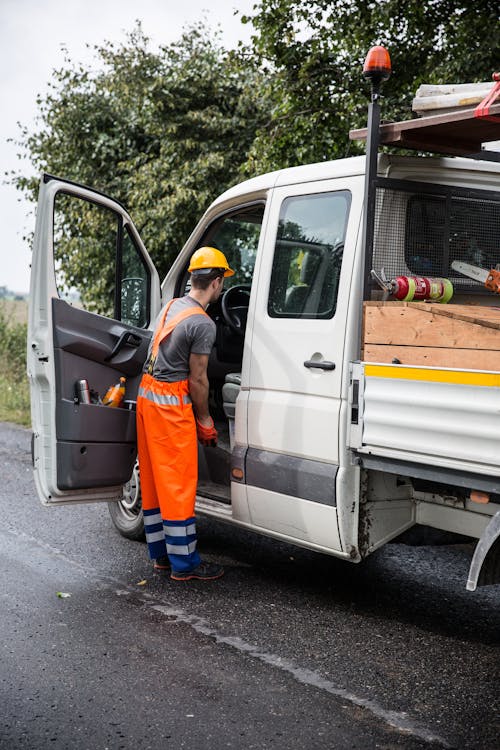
(460, 133)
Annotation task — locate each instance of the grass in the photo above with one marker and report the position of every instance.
(14, 388)
(14, 399)
(14, 310)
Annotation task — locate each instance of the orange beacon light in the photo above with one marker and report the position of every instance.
(377, 66)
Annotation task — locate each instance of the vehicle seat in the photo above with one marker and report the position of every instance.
(230, 390)
(296, 296)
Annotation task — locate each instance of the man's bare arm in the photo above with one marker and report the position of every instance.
(198, 387)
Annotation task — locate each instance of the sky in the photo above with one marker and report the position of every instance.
(31, 35)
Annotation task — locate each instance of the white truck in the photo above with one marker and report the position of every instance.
(344, 418)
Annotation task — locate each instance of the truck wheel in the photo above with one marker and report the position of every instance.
(127, 513)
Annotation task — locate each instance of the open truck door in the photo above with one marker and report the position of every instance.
(94, 325)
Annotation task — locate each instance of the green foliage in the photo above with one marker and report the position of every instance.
(316, 50)
(12, 343)
(14, 392)
(163, 132)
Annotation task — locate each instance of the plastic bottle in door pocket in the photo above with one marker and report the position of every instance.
(115, 394)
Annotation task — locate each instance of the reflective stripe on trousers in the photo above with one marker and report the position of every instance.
(175, 538)
(163, 399)
(168, 465)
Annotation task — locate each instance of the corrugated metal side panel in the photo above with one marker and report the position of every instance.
(436, 419)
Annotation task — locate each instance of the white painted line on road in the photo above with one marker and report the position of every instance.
(397, 719)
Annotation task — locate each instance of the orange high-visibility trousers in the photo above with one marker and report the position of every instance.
(168, 463)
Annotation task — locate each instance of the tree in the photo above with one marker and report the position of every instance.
(163, 132)
(316, 49)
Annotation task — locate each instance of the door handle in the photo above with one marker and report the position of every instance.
(126, 339)
(321, 364)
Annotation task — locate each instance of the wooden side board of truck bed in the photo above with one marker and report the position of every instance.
(432, 335)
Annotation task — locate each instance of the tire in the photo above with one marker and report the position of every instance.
(127, 513)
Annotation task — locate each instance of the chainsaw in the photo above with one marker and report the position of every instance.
(490, 279)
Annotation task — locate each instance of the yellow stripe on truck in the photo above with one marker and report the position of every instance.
(460, 377)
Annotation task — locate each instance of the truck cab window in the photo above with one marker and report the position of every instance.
(308, 256)
(98, 266)
(237, 236)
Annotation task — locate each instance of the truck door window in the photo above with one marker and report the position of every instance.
(133, 289)
(98, 266)
(308, 256)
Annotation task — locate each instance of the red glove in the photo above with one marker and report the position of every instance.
(206, 435)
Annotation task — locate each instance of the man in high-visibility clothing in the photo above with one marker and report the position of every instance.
(172, 414)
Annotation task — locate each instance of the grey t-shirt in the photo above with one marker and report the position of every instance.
(193, 335)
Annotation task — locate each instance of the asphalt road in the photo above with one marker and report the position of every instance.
(289, 650)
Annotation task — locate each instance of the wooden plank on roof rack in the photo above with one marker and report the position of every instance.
(455, 133)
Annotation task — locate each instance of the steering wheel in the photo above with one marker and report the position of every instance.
(234, 305)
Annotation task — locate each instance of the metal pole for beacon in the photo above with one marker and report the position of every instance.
(377, 69)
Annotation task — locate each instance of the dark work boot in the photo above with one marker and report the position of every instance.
(203, 572)
(161, 564)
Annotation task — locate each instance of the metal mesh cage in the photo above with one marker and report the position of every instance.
(421, 230)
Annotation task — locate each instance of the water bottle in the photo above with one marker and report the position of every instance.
(115, 394)
(82, 391)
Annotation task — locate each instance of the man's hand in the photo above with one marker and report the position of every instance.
(198, 389)
(207, 434)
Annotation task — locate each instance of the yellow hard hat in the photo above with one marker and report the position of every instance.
(207, 258)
